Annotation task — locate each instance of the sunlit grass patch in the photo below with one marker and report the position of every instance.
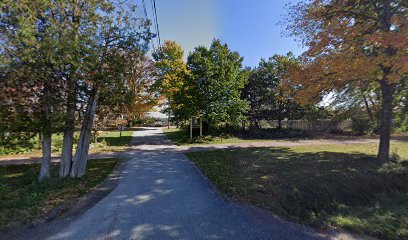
(180, 137)
(105, 141)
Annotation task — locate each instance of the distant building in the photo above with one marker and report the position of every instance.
(160, 119)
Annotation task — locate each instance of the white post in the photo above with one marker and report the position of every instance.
(201, 127)
(191, 129)
(168, 117)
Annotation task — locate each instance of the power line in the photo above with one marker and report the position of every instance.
(157, 23)
(145, 13)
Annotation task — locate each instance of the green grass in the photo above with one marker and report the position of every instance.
(180, 137)
(106, 141)
(22, 199)
(112, 138)
(325, 186)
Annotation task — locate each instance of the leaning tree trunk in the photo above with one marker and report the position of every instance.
(67, 145)
(387, 91)
(81, 155)
(46, 155)
(66, 155)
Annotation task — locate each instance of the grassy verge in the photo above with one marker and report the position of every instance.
(106, 141)
(180, 137)
(111, 141)
(22, 199)
(114, 138)
(326, 186)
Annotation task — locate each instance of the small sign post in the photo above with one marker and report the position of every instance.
(196, 123)
(121, 122)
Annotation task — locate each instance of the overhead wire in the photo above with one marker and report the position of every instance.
(146, 16)
(156, 21)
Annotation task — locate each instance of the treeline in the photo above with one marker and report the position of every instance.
(356, 52)
(214, 86)
(62, 62)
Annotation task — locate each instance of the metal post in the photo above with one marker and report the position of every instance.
(191, 129)
(201, 127)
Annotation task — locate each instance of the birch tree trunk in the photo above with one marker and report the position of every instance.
(67, 145)
(46, 136)
(81, 154)
(46, 156)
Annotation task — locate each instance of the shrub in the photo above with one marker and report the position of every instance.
(361, 125)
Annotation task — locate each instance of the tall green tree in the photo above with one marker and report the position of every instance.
(214, 87)
(79, 17)
(118, 43)
(268, 91)
(62, 53)
(31, 66)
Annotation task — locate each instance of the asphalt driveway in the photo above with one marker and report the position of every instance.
(161, 195)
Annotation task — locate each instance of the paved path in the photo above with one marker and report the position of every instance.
(161, 195)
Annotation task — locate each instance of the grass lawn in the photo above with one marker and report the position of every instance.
(22, 198)
(325, 186)
(106, 141)
(181, 138)
(111, 141)
(113, 138)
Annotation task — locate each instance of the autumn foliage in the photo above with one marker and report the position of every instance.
(352, 43)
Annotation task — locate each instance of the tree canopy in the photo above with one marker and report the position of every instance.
(57, 55)
(268, 91)
(351, 43)
(212, 90)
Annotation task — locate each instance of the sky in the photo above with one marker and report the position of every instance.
(250, 27)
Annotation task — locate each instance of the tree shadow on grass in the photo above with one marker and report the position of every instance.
(351, 190)
(116, 141)
(331, 178)
(22, 198)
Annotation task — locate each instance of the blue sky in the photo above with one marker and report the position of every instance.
(247, 26)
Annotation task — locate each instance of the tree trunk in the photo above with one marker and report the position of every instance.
(370, 114)
(39, 140)
(257, 125)
(46, 156)
(387, 91)
(81, 154)
(279, 124)
(45, 135)
(67, 145)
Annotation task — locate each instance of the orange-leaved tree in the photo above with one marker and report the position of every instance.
(171, 71)
(350, 43)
